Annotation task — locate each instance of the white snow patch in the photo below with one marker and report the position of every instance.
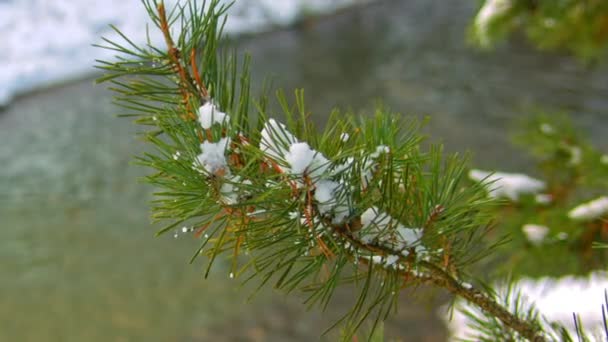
(547, 128)
(556, 299)
(318, 167)
(59, 33)
(369, 164)
(535, 233)
(276, 140)
(490, 11)
(373, 225)
(409, 237)
(229, 190)
(279, 144)
(382, 228)
(576, 155)
(388, 261)
(509, 185)
(380, 149)
(325, 195)
(209, 114)
(341, 212)
(299, 157)
(344, 167)
(212, 157)
(303, 159)
(550, 22)
(543, 198)
(391, 260)
(591, 210)
(331, 200)
(367, 172)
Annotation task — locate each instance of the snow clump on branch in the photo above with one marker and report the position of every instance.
(209, 114)
(509, 185)
(487, 15)
(535, 233)
(591, 210)
(213, 157)
(381, 228)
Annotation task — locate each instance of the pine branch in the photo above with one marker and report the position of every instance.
(186, 81)
(442, 279)
(311, 211)
(579, 27)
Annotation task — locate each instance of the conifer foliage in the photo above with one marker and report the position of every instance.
(360, 203)
(553, 222)
(579, 27)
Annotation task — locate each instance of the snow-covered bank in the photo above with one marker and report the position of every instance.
(44, 42)
(557, 300)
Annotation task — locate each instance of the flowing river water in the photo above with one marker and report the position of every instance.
(79, 258)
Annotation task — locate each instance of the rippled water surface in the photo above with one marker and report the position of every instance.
(79, 259)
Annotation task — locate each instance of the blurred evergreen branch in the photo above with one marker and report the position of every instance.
(553, 230)
(580, 27)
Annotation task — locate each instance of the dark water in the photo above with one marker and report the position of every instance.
(79, 260)
(412, 55)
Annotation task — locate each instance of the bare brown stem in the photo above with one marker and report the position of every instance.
(440, 278)
(185, 79)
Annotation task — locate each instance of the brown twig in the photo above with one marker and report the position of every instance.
(197, 75)
(441, 278)
(185, 79)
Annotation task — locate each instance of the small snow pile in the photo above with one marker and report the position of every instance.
(380, 149)
(489, 12)
(543, 198)
(331, 200)
(324, 193)
(260, 15)
(209, 114)
(231, 187)
(302, 159)
(576, 155)
(382, 229)
(535, 233)
(547, 129)
(329, 180)
(556, 299)
(509, 185)
(591, 210)
(282, 146)
(276, 140)
(300, 156)
(388, 261)
(299, 159)
(369, 164)
(213, 156)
